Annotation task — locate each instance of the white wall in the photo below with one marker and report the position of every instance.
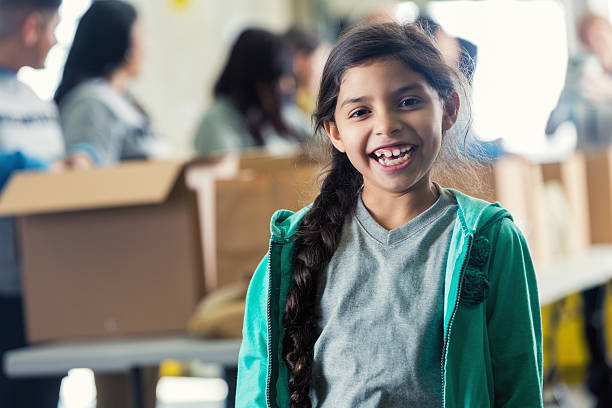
(187, 47)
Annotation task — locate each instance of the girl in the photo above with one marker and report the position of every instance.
(98, 115)
(389, 290)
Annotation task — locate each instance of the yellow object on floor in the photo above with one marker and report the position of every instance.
(566, 346)
(171, 368)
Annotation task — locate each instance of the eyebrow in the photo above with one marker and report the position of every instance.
(416, 86)
(410, 87)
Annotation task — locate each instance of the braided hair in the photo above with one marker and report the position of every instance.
(319, 232)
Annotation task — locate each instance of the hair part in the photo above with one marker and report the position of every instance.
(319, 233)
(101, 44)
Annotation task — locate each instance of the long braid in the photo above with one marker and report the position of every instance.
(316, 242)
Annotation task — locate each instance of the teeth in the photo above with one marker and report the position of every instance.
(392, 153)
(385, 161)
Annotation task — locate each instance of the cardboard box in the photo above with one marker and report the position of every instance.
(568, 221)
(517, 185)
(131, 249)
(599, 184)
(107, 252)
(519, 188)
(548, 201)
(236, 206)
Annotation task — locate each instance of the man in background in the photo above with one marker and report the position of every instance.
(586, 101)
(30, 138)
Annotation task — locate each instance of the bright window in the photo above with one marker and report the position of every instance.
(522, 60)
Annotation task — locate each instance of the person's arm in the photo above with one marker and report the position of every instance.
(10, 162)
(570, 95)
(253, 357)
(560, 114)
(513, 322)
(88, 127)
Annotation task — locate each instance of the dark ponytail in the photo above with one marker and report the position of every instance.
(319, 233)
(318, 237)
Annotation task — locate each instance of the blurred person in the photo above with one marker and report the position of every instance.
(248, 109)
(30, 138)
(457, 52)
(586, 98)
(462, 54)
(308, 56)
(97, 113)
(99, 117)
(586, 101)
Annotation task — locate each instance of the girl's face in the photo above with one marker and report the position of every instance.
(389, 121)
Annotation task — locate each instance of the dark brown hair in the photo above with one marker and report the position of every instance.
(319, 233)
(101, 44)
(250, 80)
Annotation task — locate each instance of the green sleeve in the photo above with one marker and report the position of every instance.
(253, 357)
(513, 322)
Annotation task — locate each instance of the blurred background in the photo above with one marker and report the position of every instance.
(538, 74)
(523, 48)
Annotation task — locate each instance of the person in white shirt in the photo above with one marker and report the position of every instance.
(30, 137)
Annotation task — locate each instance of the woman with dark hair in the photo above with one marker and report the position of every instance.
(97, 113)
(248, 111)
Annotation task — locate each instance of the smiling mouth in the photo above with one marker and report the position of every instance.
(393, 156)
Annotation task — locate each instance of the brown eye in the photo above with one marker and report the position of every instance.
(407, 102)
(358, 113)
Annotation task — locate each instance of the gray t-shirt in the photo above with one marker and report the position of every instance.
(381, 312)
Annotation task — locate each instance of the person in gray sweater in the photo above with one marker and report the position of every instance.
(99, 117)
(97, 113)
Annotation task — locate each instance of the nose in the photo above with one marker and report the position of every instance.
(387, 123)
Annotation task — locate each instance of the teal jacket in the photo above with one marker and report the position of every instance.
(492, 355)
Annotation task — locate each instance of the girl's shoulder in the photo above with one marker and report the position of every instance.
(284, 223)
(476, 214)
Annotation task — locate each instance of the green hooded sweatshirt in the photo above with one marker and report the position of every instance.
(492, 353)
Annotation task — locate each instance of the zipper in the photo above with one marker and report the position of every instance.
(269, 313)
(274, 283)
(450, 323)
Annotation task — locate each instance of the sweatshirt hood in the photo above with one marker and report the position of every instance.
(285, 222)
(475, 214)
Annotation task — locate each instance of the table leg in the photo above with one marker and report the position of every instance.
(230, 375)
(136, 376)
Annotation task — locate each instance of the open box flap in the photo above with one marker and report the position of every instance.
(129, 183)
